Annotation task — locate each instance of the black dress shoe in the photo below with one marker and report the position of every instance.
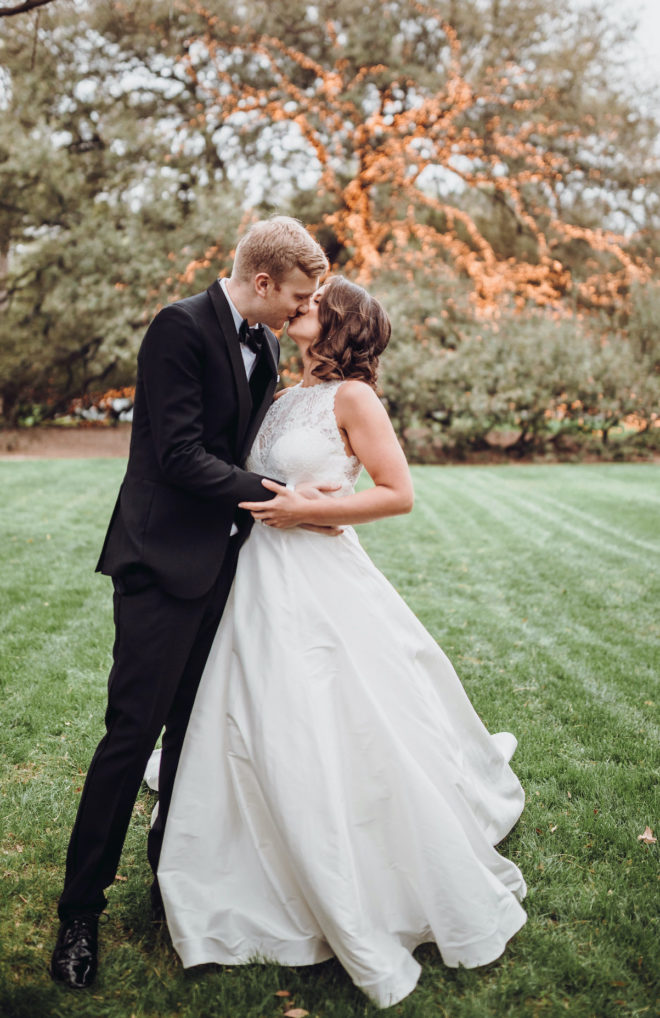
(75, 956)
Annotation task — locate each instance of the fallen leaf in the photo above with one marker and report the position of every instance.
(296, 1012)
(569, 795)
(553, 829)
(118, 877)
(647, 837)
(282, 993)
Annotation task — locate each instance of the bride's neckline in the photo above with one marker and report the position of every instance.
(315, 385)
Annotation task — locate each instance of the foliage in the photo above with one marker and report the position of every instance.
(537, 583)
(61, 338)
(539, 377)
(99, 240)
(418, 144)
(489, 156)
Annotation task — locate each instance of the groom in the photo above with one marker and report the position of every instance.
(206, 376)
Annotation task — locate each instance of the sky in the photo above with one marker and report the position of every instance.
(645, 45)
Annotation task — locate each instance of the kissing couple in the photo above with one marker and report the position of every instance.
(325, 786)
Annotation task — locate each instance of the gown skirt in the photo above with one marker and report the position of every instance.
(337, 793)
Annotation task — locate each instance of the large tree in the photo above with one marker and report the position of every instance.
(487, 136)
(494, 145)
(99, 215)
(22, 8)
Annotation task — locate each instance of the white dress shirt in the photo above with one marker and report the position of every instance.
(249, 356)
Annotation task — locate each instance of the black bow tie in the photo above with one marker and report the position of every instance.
(252, 337)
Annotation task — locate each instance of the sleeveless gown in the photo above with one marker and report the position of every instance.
(337, 793)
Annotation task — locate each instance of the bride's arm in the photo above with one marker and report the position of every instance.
(370, 436)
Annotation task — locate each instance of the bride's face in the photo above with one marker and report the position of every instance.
(304, 328)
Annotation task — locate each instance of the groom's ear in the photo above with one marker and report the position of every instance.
(263, 284)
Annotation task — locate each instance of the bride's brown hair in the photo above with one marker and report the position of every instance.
(354, 331)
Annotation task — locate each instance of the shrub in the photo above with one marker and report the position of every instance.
(537, 377)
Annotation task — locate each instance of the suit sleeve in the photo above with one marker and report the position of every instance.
(171, 365)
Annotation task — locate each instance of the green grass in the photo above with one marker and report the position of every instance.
(541, 583)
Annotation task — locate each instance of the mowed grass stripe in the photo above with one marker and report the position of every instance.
(614, 532)
(598, 625)
(484, 624)
(512, 540)
(554, 521)
(504, 500)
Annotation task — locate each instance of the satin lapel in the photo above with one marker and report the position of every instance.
(272, 351)
(269, 361)
(226, 320)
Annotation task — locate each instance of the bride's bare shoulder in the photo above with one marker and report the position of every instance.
(355, 397)
(354, 389)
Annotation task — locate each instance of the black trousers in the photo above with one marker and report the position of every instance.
(161, 646)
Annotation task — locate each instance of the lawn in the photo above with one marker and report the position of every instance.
(541, 583)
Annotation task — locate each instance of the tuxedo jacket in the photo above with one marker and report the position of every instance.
(194, 419)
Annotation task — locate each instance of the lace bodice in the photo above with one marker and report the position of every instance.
(299, 440)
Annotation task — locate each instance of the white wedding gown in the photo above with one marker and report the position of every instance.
(337, 793)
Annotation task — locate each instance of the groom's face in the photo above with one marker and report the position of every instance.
(285, 300)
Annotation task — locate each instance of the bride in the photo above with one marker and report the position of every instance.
(337, 793)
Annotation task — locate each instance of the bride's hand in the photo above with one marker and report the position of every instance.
(288, 510)
(309, 490)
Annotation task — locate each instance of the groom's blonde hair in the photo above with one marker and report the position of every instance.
(277, 246)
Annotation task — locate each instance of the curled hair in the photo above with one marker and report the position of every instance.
(276, 246)
(354, 331)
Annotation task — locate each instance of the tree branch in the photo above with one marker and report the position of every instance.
(27, 5)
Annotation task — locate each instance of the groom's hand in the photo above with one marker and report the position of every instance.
(288, 508)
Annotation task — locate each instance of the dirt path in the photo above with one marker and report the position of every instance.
(106, 441)
(64, 443)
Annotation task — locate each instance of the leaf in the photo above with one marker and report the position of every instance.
(647, 836)
(282, 993)
(296, 1012)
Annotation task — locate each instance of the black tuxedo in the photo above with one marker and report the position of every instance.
(193, 424)
(169, 551)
